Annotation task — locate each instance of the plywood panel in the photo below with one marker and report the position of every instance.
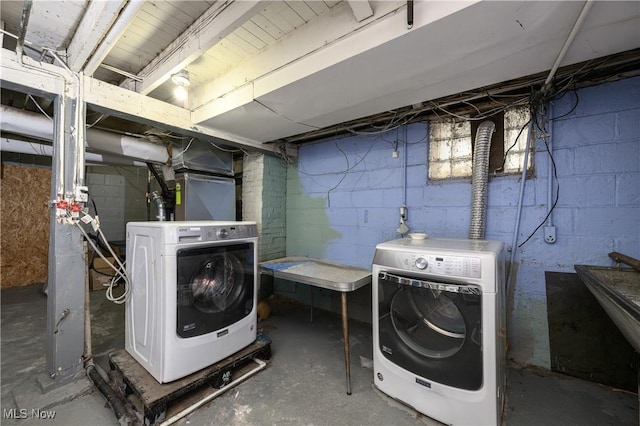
(24, 243)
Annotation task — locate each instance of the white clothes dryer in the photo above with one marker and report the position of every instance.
(193, 294)
(439, 327)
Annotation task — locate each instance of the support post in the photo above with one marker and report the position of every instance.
(67, 266)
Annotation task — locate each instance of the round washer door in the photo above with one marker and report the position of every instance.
(218, 284)
(428, 322)
(216, 287)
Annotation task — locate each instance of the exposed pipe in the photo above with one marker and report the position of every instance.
(157, 199)
(567, 43)
(33, 148)
(36, 125)
(24, 22)
(480, 178)
(192, 408)
(59, 142)
(550, 174)
(523, 179)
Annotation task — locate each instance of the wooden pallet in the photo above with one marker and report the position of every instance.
(153, 402)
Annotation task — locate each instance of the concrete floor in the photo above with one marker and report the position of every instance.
(304, 382)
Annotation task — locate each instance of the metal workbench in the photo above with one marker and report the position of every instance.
(323, 274)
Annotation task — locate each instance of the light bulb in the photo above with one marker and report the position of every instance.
(180, 92)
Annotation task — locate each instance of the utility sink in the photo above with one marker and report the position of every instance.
(618, 292)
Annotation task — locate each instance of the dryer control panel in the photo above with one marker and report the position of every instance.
(457, 266)
(216, 232)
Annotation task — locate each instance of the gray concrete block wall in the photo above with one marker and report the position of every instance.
(120, 197)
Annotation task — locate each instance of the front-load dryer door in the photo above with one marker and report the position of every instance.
(215, 287)
(432, 329)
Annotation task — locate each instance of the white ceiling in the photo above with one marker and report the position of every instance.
(263, 71)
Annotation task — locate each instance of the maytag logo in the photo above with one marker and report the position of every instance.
(223, 333)
(423, 383)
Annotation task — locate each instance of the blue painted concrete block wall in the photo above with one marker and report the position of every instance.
(344, 194)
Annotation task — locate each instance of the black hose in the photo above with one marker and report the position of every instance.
(166, 194)
(105, 389)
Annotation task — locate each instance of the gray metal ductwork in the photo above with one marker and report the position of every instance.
(13, 120)
(479, 179)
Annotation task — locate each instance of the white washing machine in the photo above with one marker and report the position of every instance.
(439, 331)
(193, 294)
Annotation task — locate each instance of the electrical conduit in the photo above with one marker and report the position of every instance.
(523, 179)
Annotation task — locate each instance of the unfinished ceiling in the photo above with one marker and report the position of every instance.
(263, 71)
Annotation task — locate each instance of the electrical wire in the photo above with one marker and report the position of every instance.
(515, 142)
(39, 107)
(184, 150)
(343, 176)
(555, 171)
(120, 271)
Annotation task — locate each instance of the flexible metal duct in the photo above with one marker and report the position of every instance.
(479, 179)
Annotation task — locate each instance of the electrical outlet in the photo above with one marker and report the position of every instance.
(550, 234)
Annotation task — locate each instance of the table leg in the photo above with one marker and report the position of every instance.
(311, 304)
(345, 335)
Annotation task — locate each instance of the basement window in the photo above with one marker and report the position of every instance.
(451, 145)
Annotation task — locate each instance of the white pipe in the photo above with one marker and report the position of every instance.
(125, 18)
(38, 126)
(567, 43)
(550, 177)
(523, 179)
(33, 148)
(192, 408)
(26, 123)
(59, 143)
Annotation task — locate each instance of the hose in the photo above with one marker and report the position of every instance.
(118, 407)
(89, 365)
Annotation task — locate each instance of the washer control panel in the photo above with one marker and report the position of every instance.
(216, 233)
(458, 266)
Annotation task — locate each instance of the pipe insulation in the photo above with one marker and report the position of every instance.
(33, 148)
(38, 126)
(479, 179)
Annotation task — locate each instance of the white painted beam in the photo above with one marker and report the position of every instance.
(44, 78)
(39, 77)
(120, 102)
(125, 18)
(96, 22)
(292, 58)
(361, 9)
(217, 22)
